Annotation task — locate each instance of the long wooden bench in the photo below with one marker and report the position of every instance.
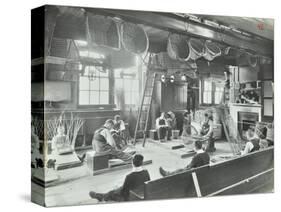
(244, 174)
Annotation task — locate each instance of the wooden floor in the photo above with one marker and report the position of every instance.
(77, 182)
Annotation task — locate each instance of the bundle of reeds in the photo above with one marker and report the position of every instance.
(72, 126)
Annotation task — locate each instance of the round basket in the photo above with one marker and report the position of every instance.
(133, 38)
(232, 52)
(177, 47)
(70, 24)
(252, 60)
(212, 50)
(196, 48)
(103, 31)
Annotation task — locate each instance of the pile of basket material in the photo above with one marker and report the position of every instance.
(117, 40)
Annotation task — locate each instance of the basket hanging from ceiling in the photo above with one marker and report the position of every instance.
(70, 24)
(252, 60)
(212, 50)
(196, 47)
(232, 52)
(177, 47)
(134, 38)
(102, 31)
(247, 59)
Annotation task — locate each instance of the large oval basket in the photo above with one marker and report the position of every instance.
(212, 50)
(197, 48)
(103, 31)
(71, 24)
(177, 47)
(134, 38)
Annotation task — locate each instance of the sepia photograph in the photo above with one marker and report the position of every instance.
(132, 105)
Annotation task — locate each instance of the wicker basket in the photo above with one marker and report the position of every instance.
(212, 50)
(102, 31)
(197, 48)
(71, 24)
(177, 47)
(232, 52)
(252, 60)
(133, 38)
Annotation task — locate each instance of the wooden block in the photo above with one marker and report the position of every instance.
(188, 154)
(96, 161)
(178, 146)
(153, 134)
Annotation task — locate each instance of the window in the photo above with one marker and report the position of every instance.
(211, 91)
(94, 86)
(127, 82)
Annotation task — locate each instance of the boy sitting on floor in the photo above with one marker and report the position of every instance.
(200, 159)
(132, 181)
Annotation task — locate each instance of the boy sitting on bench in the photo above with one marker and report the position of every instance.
(132, 181)
(200, 159)
(119, 132)
(163, 128)
(103, 142)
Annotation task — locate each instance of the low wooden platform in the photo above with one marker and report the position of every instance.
(119, 166)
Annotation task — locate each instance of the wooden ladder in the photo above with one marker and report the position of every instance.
(145, 106)
(228, 124)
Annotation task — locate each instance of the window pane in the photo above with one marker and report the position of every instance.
(218, 96)
(104, 97)
(84, 97)
(135, 98)
(84, 83)
(94, 97)
(128, 99)
(207, 97)
(104, 85)
(103, 73)
(94, 85)
(268, 107)
(207, 85)
(118, 83)
(117, 73)
(127, 84)
(135, 85)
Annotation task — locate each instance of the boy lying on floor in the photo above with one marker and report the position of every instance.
(132, 181)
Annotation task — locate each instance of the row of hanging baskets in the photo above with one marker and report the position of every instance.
(101, 31)
(243, 58)
(183, 48)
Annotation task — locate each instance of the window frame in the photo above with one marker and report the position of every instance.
(213, 92)
(131, 91)
(110, 104)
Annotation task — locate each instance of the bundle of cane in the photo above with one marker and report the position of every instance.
(38, 127)
(73, 125)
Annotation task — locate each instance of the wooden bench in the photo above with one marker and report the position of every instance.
(245, 174)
